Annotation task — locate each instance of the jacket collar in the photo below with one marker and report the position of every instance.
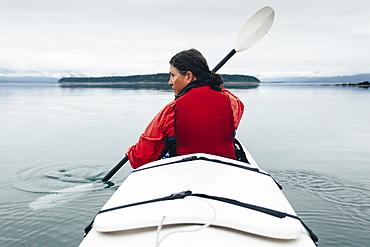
(190, 86)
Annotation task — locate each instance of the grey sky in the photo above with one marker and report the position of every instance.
(124, 37)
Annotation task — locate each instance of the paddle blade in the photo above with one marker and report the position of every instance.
(254, 29)
(64, 196)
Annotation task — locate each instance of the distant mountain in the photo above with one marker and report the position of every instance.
(152, 78)
(333, 79)
(27, 79)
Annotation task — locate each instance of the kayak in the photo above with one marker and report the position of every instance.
(198, 200)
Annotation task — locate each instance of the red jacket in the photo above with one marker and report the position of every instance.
(205, 122)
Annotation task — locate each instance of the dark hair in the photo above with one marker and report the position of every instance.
(192, 60)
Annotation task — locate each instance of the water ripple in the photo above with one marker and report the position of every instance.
(324, 187)
(332, 206)
(52, 179)
(24, 227)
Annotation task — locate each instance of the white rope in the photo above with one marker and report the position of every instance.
(159, 228)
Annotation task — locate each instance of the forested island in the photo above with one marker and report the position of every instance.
(150, 78)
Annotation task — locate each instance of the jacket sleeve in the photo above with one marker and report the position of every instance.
(154, 139)
(237, 107)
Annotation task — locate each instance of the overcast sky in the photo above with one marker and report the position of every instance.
(125, 37)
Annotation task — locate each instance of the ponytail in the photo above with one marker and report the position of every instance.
(214, 80)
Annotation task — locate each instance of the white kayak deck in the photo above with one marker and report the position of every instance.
(225, 223)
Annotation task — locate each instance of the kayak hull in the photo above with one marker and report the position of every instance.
(134, 216)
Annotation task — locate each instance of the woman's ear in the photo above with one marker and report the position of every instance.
(189, 76)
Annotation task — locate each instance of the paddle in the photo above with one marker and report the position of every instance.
(251, 33)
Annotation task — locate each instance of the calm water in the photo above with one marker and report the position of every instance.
(314, 140)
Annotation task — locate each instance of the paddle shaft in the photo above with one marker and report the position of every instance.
(220, 64)
(115, 169)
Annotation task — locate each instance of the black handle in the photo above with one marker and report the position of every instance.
(220, 64)
(115, 169)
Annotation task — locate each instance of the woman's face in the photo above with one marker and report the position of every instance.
(178, 81)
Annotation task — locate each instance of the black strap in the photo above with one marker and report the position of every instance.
(244, 205)
(194, 157)
(184, 194)
(166, 198)
(268, 211)
(174, 196)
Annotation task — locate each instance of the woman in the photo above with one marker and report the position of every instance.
(203, 117)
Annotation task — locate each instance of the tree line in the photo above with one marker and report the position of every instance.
(158, 78)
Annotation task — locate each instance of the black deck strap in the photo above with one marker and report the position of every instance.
(194, 157)
(174, 196)
(166, 198)
(268, 211)
(184, 194)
